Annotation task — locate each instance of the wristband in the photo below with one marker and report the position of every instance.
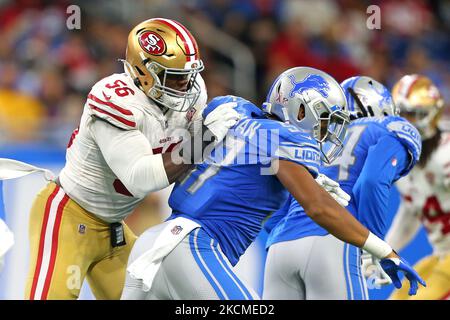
(376, 246)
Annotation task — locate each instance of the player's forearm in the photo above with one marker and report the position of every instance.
(174, 171)
(339, 222)
(384, 163)
(325, 211)
(328, 214)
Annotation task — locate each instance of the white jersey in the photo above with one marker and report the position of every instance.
(426, 196)
(87, 178)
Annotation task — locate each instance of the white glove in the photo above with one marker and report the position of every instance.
(372, 270)
(6, 239)
(221, 119)
(332, 187)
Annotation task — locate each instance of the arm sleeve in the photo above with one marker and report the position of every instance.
(404, 227)
(129, 155)
(384, 163)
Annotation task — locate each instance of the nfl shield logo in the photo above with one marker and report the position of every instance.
(176, 230)
(394, 162)
(81, 229)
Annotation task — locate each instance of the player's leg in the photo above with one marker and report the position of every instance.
(438, 282)
(60, 250)
(106, 277)
(195, 269)
(282, 278)
(425, 268)
(333, 271)
(214, 276)
(134, 288)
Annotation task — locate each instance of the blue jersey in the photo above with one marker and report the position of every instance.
(377, 152)
(233, 191)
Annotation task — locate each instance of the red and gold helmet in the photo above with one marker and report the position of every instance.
(158, 51)
(420, 102)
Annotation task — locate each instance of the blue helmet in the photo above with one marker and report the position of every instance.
(314, 102)
(367, 97)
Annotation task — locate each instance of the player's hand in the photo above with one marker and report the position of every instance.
(221, 119)
(393, 265)
(332, 187)
(373, 271)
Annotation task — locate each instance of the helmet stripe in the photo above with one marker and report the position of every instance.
(188, 44)
(407, 84)
(351, 99)
(194, 42)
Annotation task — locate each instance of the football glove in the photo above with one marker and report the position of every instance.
(221, 119)
(332, 187)
(394, 265)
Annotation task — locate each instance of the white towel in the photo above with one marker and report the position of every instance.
(11, 169)
(147, 265)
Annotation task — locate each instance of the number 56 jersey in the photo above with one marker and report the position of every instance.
(87, 178)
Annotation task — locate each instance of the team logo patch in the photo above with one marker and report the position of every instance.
(152, 43)
(176, 230)
(311, 82)
(81, 229)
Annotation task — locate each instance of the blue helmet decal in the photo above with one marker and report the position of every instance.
(311, 82)
(385, 96)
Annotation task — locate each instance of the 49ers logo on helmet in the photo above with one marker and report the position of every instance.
(152, 43)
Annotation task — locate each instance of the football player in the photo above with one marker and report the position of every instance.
(426, 191)
(118, 155)
(305, 260)
(218, 208)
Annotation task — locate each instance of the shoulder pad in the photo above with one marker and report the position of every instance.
(300, 147)
(407, 135)
(244, 107)
(291, 133)
(104, 103)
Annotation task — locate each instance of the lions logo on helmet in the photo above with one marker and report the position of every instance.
(312, 81)
(314, 102)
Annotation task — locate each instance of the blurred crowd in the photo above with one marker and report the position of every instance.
(46, 70)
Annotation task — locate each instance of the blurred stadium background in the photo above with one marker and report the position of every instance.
(47, 70)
